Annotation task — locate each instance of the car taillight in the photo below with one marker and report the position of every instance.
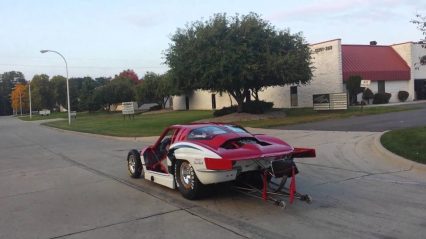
(218, 164)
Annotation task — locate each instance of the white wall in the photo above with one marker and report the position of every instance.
(411, 53)
(392, 87)
(327, 77)
(202, 100)
(405, 50)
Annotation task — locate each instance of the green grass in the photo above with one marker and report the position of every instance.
(142, 125)
(153, 124)
(306, 115)
(408, 143)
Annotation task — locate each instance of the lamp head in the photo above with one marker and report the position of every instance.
(44, 51)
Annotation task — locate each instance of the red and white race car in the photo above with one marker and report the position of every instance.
(188, 157)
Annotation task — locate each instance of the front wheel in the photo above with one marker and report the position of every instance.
(134, 164)
(186, 180)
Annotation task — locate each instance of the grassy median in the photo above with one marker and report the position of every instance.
(153, 123)
(141, 125)
(408, 143)
(306, 115)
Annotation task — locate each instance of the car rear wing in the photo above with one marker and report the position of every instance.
(303, 153)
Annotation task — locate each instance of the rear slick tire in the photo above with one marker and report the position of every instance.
(187, 181)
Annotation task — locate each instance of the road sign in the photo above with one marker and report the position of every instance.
(365, 83)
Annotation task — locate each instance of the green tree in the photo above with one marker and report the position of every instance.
(102, 80)
(237, 55)
(59, 88)
(353, 86)
(42, 92)
(86, 94)
(155, 88)
(101, 98)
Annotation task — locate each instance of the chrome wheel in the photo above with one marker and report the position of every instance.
(132, 164)
(187, 175)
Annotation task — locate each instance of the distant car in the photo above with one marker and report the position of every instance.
(190, 156)
(44, 112)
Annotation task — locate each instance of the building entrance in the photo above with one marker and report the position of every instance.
(420, 89)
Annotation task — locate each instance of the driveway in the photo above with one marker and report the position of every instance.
(56, 184)
(371, 123)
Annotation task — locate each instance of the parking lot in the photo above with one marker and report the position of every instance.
(56, 184)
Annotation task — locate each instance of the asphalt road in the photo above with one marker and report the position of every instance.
(56, 184)
(371, 123)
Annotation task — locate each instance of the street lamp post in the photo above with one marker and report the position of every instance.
(68, 87)
(29, 94)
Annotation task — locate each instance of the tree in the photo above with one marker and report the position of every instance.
(19, 98)
(7, 82)
(129, 74)
(59, 88)
(237, 55)
(85, 95)
(121, 90)
(353, 85)
(155, 88)
(42, 92)
(102, 80)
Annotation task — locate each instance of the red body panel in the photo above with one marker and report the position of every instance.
(270, 147)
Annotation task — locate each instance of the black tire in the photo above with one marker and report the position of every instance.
(187, 181)
(134, 164)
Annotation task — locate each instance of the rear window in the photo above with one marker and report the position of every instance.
(206, 132)
(236, 129)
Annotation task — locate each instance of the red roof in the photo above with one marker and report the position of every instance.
(376, 63)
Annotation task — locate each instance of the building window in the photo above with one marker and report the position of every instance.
(293, 96)
(381, 87)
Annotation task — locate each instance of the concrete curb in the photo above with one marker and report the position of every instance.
(394, 157)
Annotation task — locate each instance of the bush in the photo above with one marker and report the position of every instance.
(225, 111)
(367, 95)
(381, 98)
(403, 96)
(252, 107)
(257, 107)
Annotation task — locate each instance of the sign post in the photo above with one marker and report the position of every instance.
(334, 101)
(129, 109)
(365, 84)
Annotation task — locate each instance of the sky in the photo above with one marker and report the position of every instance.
(104, 37)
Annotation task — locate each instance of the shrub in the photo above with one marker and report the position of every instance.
(257, 107)
(381, 98)
(367, 95)
(403, 96)
(225, 111)
(252, 107)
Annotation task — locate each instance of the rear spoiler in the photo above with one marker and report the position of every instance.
(303, 153)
